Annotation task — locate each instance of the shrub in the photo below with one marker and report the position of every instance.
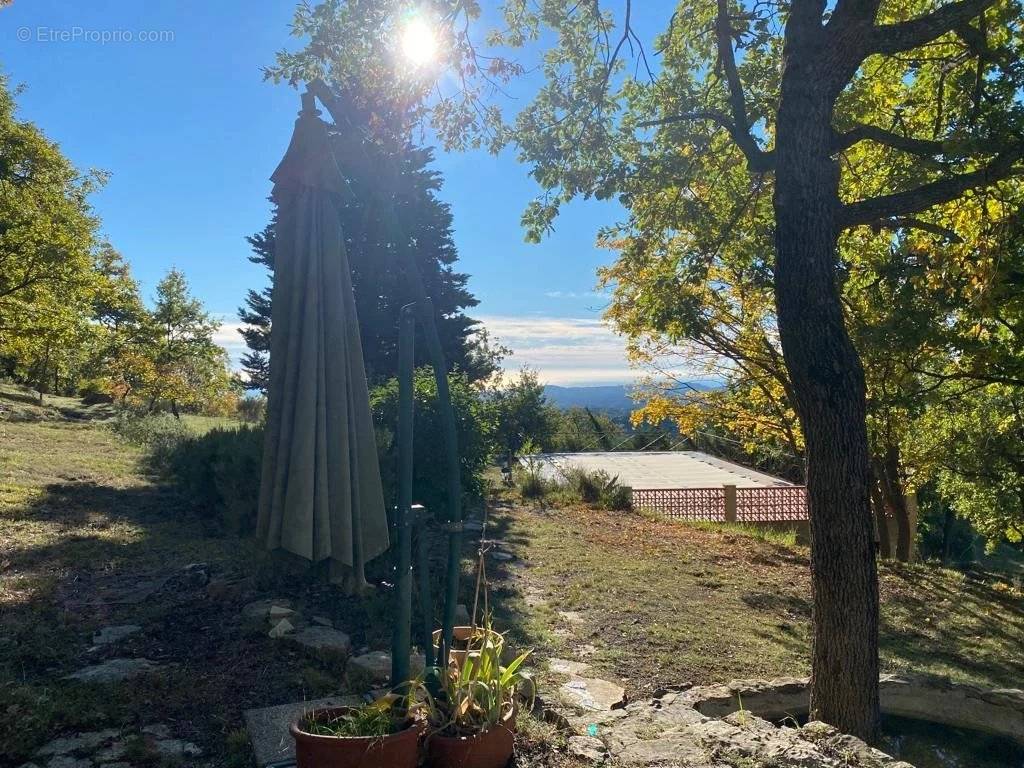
(157, 431)
(219, 472)
(597, 488)
(532, 484)
(474, 427)
(252, 408)
(617, 497)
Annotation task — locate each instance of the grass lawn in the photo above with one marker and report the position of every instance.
(656, 603)
(88, 540)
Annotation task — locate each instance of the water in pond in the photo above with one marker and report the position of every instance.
(927, 745)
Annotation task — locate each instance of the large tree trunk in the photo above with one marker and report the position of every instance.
(828, 383)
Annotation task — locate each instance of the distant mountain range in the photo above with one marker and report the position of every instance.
(613, 397)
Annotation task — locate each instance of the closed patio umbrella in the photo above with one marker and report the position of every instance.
(320, 495)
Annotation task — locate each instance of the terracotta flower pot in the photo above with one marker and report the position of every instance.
(396, 750)
(461, 636)
(490, 749)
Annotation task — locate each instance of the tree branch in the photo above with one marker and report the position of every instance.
(907, 35)
(909, 222)
(740, 131)
(874, 209)
(759, 162)
(864, 132)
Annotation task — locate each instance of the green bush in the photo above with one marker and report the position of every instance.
(474, 425)
(157, 431)
(219, 472)
(596, 488)
(532, 484)
(617, 497)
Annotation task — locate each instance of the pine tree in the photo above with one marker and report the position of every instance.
(379, 271)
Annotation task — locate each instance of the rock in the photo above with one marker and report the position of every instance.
(501, 557)
(587, 747)
(109, 635)
(325, 642)
(157, 730)
(85, 741)
(593, 694)
(260, 609)
(66, 761)
(568, 667)
(108, 754)
(113, 670)
(369, 670)
(61, 746)
(279, 612)
(118, 764)
(281, 628)
(176, 748)
(322, 621)
(571, 617)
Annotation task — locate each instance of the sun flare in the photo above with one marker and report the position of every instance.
(419, 41)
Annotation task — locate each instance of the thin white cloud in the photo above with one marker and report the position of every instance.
(228, 337)
(578, 294)
(563, 350)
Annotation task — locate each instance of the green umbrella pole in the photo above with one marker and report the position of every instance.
(401, 639)
(426, 599)
(451, 448)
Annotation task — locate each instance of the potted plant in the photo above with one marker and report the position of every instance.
(472, 724)
(465, 641)
(382, 734)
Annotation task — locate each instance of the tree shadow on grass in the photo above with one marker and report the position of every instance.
(82, 556)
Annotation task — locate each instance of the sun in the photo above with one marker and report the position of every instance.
(419, 41)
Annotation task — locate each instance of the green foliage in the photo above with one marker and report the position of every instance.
(977, 447)
(374, 719)
(252, 409)
(576, 485)
(531, 482)
(188, 369)
(522, 414)
(157, 431)
(597, 488)
(474, 423)
(581, 429)
(481, 692)
(49, 248)
(219, 472)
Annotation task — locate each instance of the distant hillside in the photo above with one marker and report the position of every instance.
(614, 397)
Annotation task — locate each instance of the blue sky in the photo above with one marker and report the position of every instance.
(190, 134)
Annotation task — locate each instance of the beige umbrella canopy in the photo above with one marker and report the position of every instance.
(320, 496)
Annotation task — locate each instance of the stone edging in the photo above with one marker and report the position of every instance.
(721, 726)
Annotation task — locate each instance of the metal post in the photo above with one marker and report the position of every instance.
(451, 449)
(423, 581)
(730, 503)
(401, 637)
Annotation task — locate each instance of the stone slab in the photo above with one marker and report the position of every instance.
(109, 635)
(592, 694)
(268, 727)
(113, 670)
